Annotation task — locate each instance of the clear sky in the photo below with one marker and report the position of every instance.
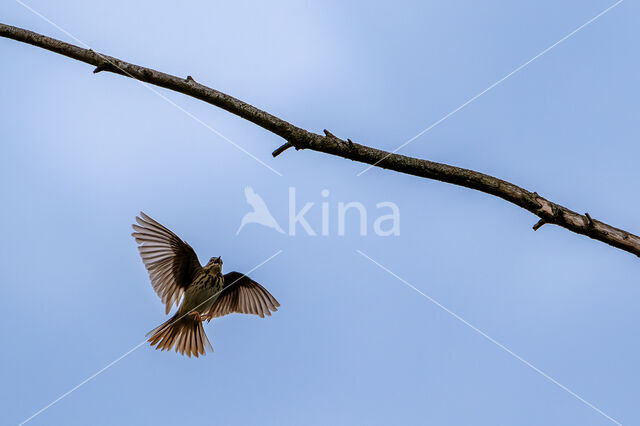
(82, 154)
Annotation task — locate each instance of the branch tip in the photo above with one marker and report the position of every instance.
(110, 67)
(329, 134)
(589, 220)
(539, 224)
(282, 149)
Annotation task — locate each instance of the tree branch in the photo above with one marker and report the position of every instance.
(299, 138)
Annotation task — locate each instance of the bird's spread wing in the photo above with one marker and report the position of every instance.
(243, 295)
(171, 262)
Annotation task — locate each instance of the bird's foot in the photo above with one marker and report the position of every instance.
(197, 315)
(200, 317)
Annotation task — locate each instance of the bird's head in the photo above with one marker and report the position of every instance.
(215, 264)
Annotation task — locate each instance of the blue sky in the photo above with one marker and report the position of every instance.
(82, 154)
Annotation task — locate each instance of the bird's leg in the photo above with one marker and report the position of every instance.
(201, 317)
(197, 315)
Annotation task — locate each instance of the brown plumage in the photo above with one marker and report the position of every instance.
(200, 292)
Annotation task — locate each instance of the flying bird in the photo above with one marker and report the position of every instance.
(260, 213)
(201, 293)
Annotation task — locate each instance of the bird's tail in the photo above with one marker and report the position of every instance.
(184, 332)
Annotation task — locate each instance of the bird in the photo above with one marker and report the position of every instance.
(201, 293)
(260, 213)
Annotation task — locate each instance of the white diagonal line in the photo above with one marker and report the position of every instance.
(130, 351)
(492, 86)
(35, 12)
(492, 340)
(88, 379)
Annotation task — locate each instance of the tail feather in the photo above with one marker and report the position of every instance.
(185, 333)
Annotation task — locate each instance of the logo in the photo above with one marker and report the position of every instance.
(260, 214)
(384, 225)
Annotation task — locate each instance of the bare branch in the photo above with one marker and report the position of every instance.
(299, 138)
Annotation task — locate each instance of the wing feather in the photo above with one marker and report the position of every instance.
(172, 263)
(243, 295)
